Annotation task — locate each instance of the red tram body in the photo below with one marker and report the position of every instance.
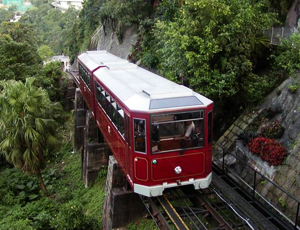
(145, 119)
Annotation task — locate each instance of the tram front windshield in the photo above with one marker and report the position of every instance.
(177, 131)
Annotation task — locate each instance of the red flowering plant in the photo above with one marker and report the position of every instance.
(268, 149)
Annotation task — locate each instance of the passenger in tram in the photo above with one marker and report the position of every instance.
(186, 139)
(190, 129)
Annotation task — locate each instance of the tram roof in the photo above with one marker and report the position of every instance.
(93, 59)
(142, 90)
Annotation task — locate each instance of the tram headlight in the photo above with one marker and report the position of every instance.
(178, 170)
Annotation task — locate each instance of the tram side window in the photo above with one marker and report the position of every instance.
(120, 121)
(139, 135)
(85, 76)
(99, 94)
(80, 70)
(103, 101)
(112, 109)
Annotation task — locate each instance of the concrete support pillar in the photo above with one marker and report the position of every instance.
(91, 128)
(79, 121)
(70, 95)
(94, 155)
(120, 206)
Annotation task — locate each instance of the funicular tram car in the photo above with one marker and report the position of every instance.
(160, 132)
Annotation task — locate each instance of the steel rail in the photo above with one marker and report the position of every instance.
(222, 223)
(172, 213)
(156, 215)
(191, 210)
(253, 187)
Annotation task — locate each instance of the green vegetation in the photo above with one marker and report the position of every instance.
(142, 224)
(282, 202)
(5, 15)
(97, 12)
(293, 88)
(52, 26)
(215, 47)
(286, 57)
(28, 121)
(70, 206)
(30, 138)
(45, 52)
(18, 52)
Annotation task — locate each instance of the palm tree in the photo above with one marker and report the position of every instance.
(28, 120)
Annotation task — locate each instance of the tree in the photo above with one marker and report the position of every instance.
(20, 33)
(5, 15)
(45, 52)
(28, 120)
(12, 8)
(211, 44)
(281, 7)
(52, 25)
(50, 79)
(17, 60)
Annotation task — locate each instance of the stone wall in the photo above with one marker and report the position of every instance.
(105, 38)
(285, 107)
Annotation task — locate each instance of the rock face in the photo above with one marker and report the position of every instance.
(283, 105)
(106, 38)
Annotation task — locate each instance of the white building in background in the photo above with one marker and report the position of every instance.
(63, 5)
(64, 60)
(16, 18)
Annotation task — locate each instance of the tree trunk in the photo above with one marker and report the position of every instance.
(42, 184)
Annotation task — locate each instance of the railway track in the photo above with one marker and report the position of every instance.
(221, 206)
(187, 209)
(224, 205)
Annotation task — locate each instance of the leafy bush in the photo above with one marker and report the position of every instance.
(125, 11)
(293, 88)
(215, 52)
(70, 216)
(16, 224)
(34, 215)
(273, 130)
(49, 78)
(268, 149)
(286, 56)
(17, 187)
(72, 206)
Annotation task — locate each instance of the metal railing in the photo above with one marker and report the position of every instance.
(277, 33)
(257, 176)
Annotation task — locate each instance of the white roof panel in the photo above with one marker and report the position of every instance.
(140, 89)
(93, 59)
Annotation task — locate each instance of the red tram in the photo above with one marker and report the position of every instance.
(160, 132)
